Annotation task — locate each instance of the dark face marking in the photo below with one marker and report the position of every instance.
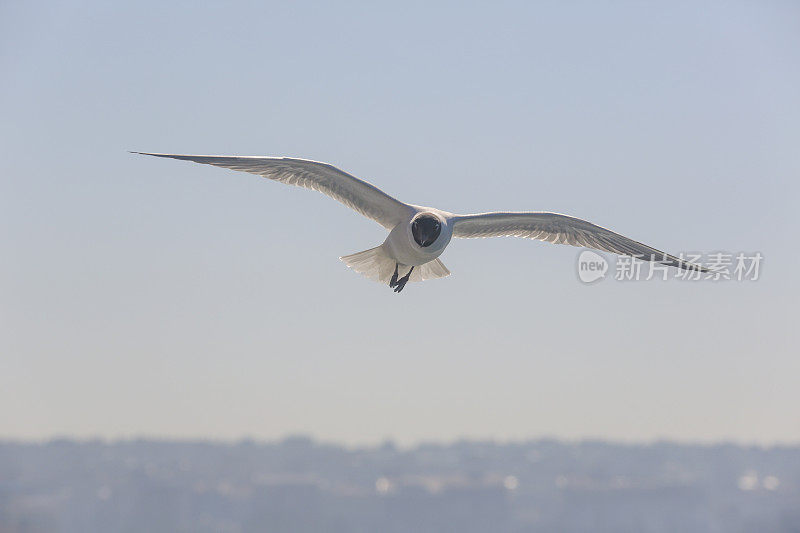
(426, 229)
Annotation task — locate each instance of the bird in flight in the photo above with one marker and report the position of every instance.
(418, 235)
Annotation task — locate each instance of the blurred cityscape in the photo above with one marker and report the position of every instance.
(299, 485)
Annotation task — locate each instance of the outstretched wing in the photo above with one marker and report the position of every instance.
(560, 229)
(327, 179)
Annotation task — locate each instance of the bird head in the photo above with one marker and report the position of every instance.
(426, 228)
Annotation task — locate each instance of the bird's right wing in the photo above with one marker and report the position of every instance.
(560, 229)
(327, 179)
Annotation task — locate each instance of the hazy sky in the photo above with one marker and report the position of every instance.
(146, 297)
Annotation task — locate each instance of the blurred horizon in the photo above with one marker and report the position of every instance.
(388, 442)
(299, 485)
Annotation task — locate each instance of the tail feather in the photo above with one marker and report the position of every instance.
(430, 270)
(377, 265)
(374, 263)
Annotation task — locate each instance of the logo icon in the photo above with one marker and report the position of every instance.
(591, 266)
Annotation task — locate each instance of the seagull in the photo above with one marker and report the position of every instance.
(418, 235)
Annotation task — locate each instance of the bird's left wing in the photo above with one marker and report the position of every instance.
(327, 179)
(560, 229)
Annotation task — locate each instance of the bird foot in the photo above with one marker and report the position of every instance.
(400, 283)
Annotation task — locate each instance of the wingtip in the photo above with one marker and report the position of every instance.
(694, 267)
(156, 154)
(699, 268)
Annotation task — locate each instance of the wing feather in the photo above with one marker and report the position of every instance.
(356, 194)
(560, 229)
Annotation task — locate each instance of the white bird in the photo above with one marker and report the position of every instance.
(418, 235)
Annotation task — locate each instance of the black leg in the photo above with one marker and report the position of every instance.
(401, 283)
(393, 281)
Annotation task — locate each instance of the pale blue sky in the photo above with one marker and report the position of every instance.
(144, 297)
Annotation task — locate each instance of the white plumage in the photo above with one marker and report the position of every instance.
(418, 235)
